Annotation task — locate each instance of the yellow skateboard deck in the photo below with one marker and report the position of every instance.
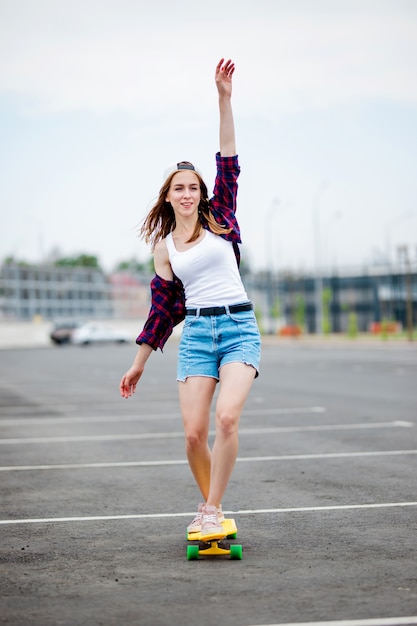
(211, 547)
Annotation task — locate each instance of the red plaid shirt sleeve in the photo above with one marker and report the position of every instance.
(167, 310)
(223, 202)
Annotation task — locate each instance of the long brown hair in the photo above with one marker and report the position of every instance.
(161, 218)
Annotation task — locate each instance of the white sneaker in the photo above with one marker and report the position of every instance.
(211, 528)
(195, 526)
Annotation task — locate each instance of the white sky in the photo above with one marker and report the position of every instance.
(97, 97)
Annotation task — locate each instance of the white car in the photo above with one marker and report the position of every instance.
(99, 333)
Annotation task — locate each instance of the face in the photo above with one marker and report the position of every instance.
(184, 193)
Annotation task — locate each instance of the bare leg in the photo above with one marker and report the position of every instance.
(235, 383)
(196, 395)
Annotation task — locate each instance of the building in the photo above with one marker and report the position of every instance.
(53, 292)
(371, 295)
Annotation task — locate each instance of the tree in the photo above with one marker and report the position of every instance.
(133, 265)
(352, 325)
(327, 297)
(300, 311)
(82, 260)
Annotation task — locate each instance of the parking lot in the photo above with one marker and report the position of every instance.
(96, 492)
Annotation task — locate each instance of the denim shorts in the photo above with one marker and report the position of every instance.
(208, 342)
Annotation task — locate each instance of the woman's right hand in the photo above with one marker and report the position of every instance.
(224, 74)
(130, 380)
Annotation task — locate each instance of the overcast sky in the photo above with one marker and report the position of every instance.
(97, 97)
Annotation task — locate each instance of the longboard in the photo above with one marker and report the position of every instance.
(211, 547)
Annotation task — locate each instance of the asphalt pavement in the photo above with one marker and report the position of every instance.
(96, 492)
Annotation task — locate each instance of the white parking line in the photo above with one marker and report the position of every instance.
(98, 419)
(147, 516)
(180, 434)
(249, 459)
(376, 621)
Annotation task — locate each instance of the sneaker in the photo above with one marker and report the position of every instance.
(195, 526)
(211, 528)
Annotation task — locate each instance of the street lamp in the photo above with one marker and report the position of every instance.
(388, 231)
(408, 296)
(399, 219)
(272, 244)
(272, 212)
(325, 256)
(269, 232)
(318, 282)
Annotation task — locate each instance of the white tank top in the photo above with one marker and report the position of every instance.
(208, 272)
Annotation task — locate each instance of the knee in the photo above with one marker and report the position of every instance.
(227, 423)
(195, 438)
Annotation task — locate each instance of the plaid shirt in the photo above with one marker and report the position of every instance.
(168, 298)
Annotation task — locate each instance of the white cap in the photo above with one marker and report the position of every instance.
(178, 167)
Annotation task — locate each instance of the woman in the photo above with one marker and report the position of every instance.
(196, 260)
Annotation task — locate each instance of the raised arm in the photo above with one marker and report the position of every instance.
(224, 73)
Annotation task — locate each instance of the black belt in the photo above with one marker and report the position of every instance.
(221, 310)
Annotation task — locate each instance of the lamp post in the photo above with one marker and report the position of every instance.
(318, 282)
(389, 226)
(272, 212)
(408, 291)
(388, 231)
(325, 256)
